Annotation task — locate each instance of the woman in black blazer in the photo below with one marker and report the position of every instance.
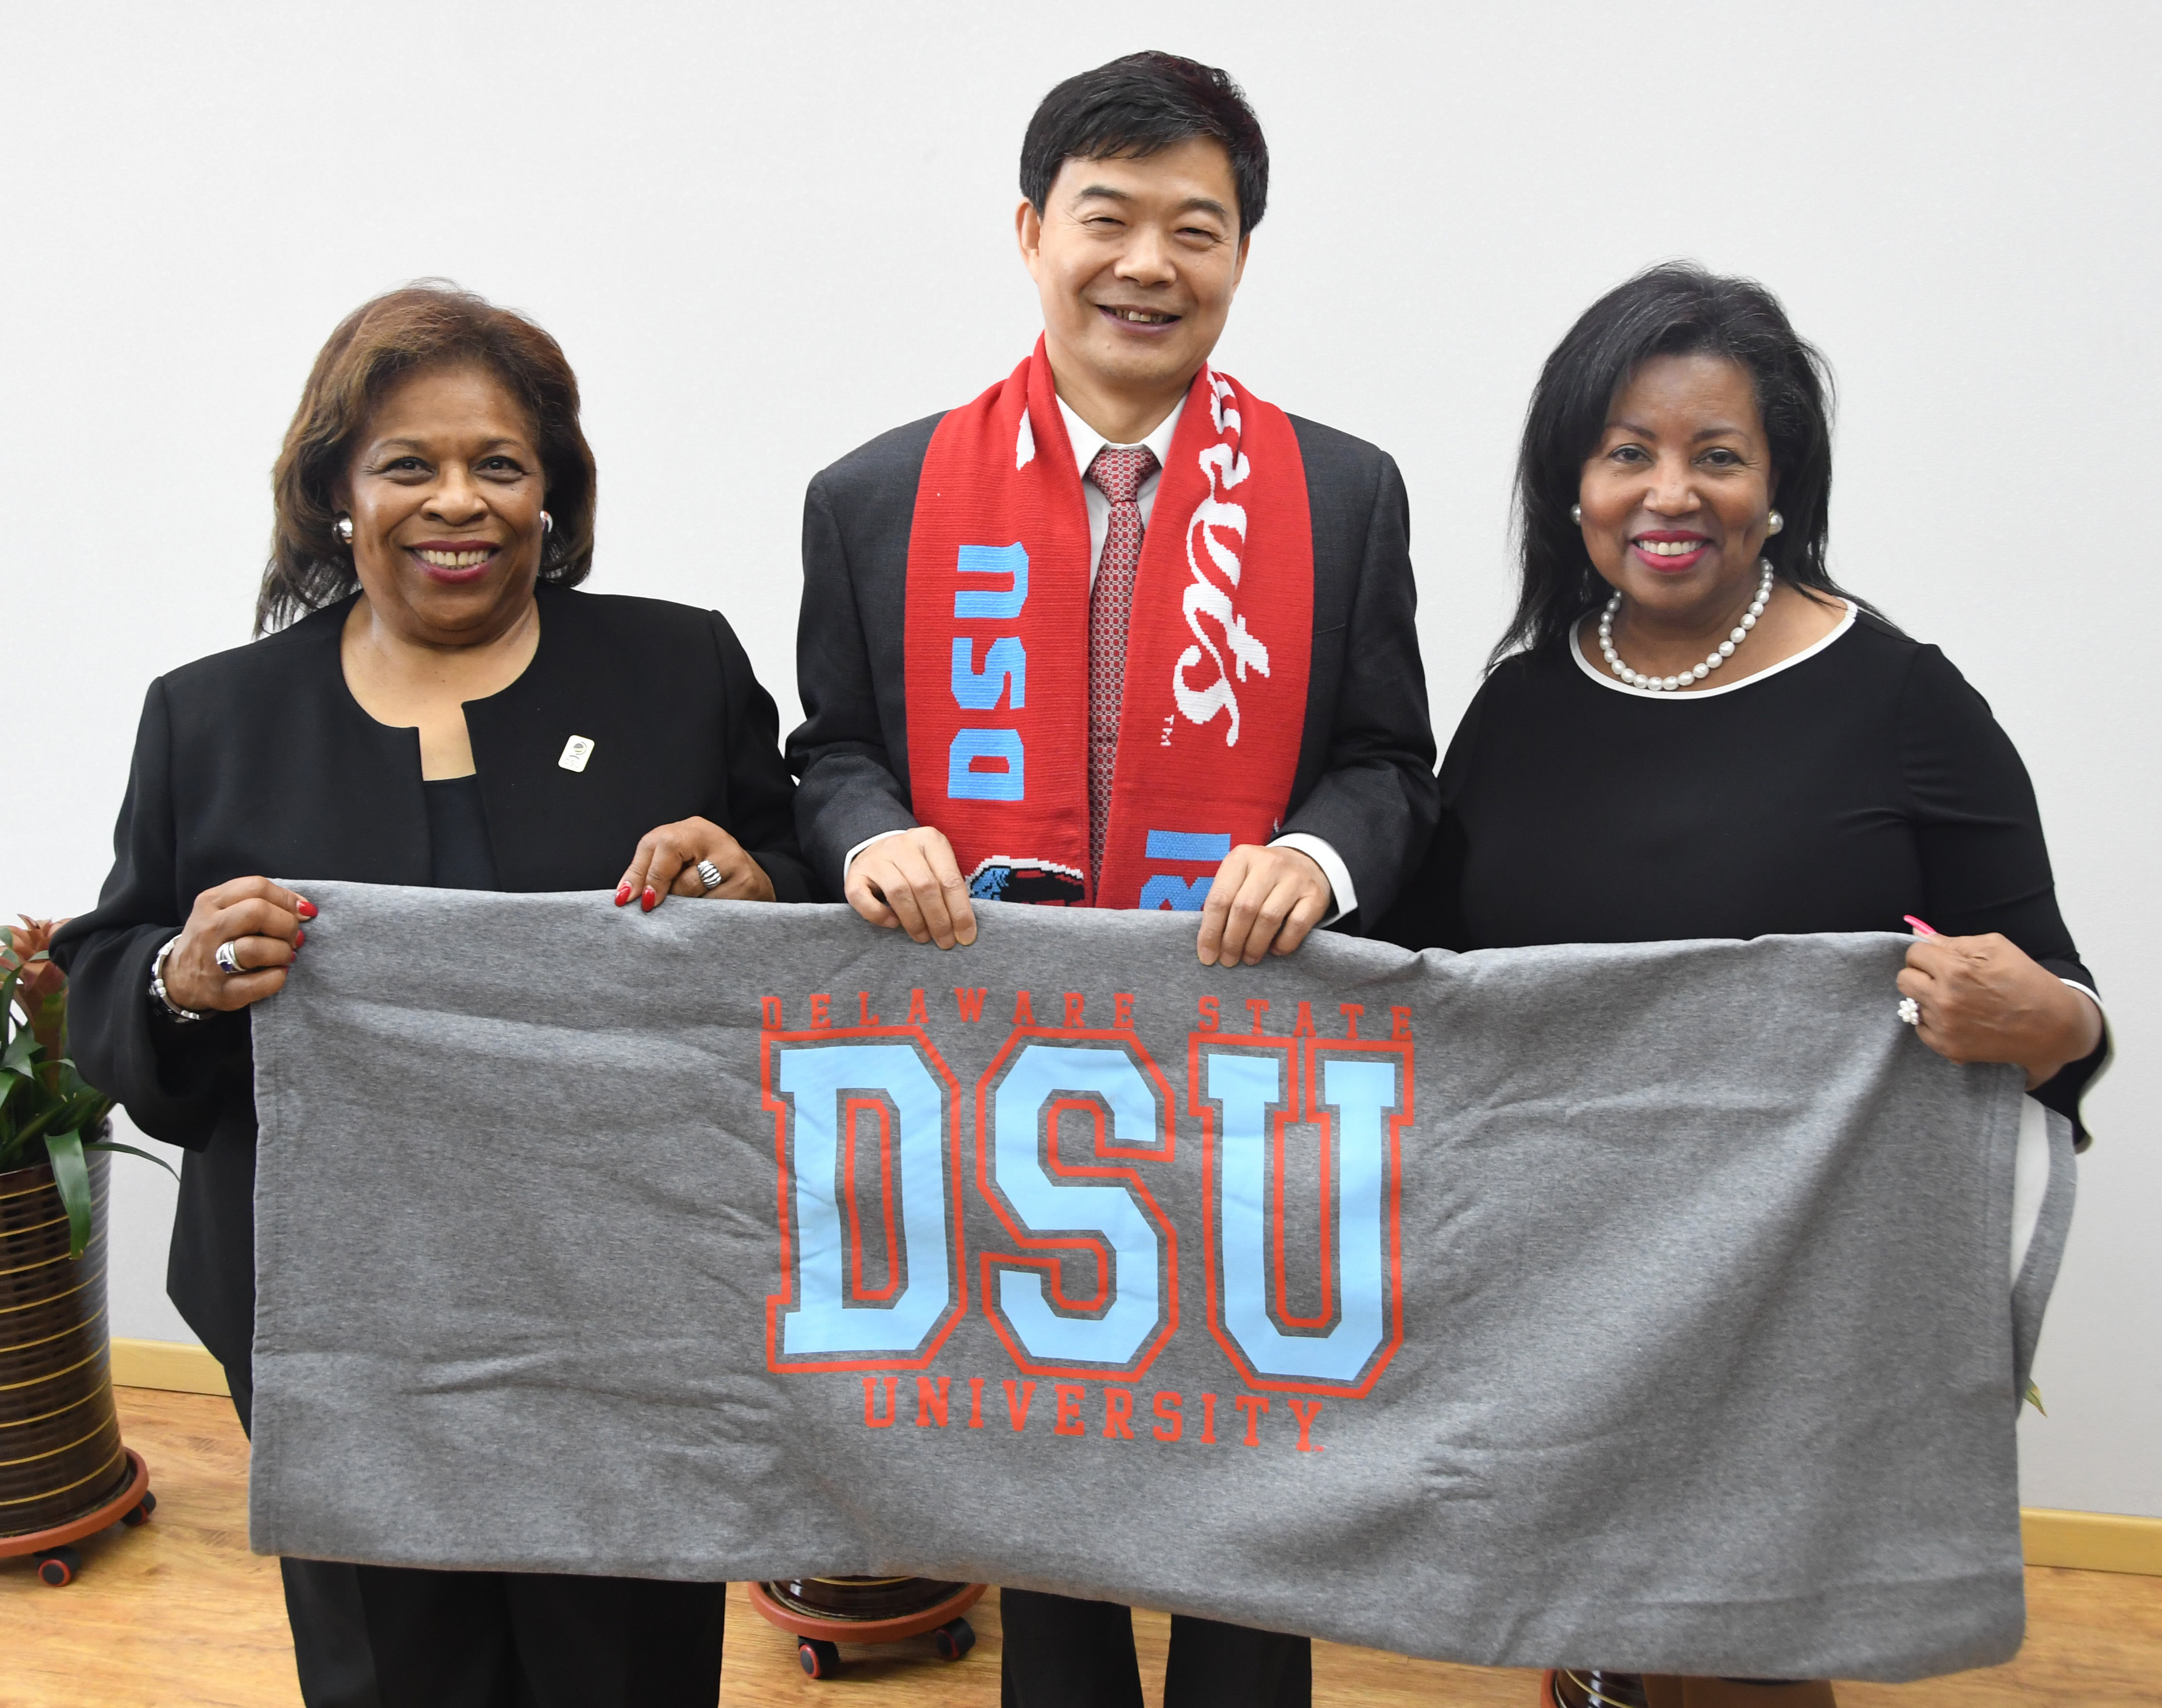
(444, 711)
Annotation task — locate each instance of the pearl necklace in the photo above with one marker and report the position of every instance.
(1664, 685)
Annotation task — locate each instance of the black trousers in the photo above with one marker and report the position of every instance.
(331, 1650)
(487, 1639)
(1063, 1652)
(393, 1636)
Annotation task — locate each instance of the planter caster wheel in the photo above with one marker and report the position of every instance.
(819, 1658)
(953, 1639)
(140, 1513)
(57, 1568)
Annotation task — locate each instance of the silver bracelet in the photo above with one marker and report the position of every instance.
(183, 1016)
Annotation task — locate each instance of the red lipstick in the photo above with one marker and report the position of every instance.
(1670, 561)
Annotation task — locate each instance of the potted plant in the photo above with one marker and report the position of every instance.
(63, 1469)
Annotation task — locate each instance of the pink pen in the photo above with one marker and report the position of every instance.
(1921, 929)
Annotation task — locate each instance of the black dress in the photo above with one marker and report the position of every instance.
(478, 1639)
(260, 761)
(1859, 782)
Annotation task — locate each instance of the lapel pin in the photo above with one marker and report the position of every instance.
(576, 752)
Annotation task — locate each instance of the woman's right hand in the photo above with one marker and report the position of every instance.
(261, 919)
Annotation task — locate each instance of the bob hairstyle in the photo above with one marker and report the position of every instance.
(428, 324)
(1675, 310)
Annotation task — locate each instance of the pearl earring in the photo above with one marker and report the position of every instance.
(1576, 514)
(343, 529)
(1774, 523)
(548, 524)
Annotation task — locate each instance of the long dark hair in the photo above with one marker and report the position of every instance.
(1678, 309)
(425, 325)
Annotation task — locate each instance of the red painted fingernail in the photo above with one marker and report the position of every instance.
(306, 910)
(298, 937)
(1921, 929)
(650, 899)
(623, 893)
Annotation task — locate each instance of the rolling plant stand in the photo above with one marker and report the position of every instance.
(131, 1504)
(64, 1473)
(822, 1613)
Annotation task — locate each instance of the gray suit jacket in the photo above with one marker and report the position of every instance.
(1364, 779)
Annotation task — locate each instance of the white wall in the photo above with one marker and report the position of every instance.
(765, 233)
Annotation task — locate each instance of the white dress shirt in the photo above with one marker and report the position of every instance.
(1087, 442)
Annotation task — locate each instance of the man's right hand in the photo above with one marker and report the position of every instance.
(911, 880)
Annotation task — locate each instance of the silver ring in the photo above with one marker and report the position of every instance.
(1910, 1010)
(709, 875)
(229, 963)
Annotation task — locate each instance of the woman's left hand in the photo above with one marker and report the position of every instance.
(666, 863)
(1982, 999)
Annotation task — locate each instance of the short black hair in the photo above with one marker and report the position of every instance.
(1139, 106)
(1677, 309)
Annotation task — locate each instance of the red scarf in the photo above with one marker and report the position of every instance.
(1217, 650)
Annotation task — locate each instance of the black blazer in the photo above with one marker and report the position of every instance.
(259, 761)
(1364, 779)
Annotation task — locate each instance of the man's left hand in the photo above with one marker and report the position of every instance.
(1261, 899)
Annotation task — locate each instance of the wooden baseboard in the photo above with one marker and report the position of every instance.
(2084, 1541)
(171, 1365)
(2092, 1541)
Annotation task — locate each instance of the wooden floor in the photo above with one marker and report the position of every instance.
(179, 1612)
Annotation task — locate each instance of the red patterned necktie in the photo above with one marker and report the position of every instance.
(1118, 474)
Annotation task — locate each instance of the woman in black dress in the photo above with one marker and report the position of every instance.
(429, 703)
(1691, 732)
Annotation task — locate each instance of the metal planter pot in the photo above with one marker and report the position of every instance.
(60, 1455)
(867, 1599)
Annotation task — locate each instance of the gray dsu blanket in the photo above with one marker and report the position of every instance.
(1644, 1306)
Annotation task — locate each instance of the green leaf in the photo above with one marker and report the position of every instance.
(20, 1048)
(86, 1108)
(70, 1075)
(71, 1176)
(115, 1144)
(37, 1124)
(89, 1100)
(80, 1110)
(66, 1116)
(2034, 1398)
